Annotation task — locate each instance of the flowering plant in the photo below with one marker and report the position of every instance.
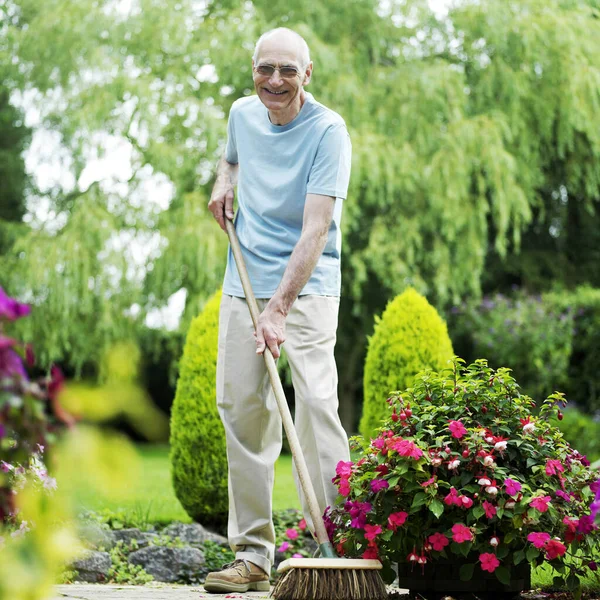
(463, 467)
(30, 414)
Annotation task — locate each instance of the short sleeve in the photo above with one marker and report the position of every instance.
(231, 153)
(330, 172)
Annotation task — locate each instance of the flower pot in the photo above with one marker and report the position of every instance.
(441, 577)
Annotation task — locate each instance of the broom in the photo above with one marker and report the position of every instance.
(328, 577)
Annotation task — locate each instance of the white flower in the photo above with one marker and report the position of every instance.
(529, 428)
(453, 464)
(23, 529)
(488, 461)
(422, 560)
(484, 481)
(436, 462)
(492, 490)
(500, 445)
(494, 541)
(50, 483)
(510, 504)
(489, 439)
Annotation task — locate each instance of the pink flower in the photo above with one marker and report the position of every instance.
(285, 546)
(344, 487)
(408, 449)
(461, 533)
(540, 503)
(428, 482)
(379, 484)
(554, 548)
(571, 524)
(371, 553)
(586, 524)
(438, 541)
(396, 520)
(378, 443)
(372, 531)
(12, 309)
(489, 562)
(566, 497)
(538, 538)
(297, 555)
(457, 429)
(466, 501)
(512, 487)
(490, 509)
(302, 524)
(452, 498)
(553, 467)
(344, 469)
(291, 534)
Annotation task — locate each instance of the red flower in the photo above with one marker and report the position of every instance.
(457, 429)
(452, 498)
(302, 524)
(490, 509)
(371, 552)
(538, 538)
(554, 548)
(466, 501)
(461, 533)
(396, 520)
(489, 562)
(372, 531)
(438, 541)
(540, 503)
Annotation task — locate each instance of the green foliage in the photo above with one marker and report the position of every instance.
(198, 456)
(216, 555)
(121, 570)
(521, 332)
(409, 337)
(581, 431)
(583, 385)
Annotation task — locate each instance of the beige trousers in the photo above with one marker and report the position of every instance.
(253, 425)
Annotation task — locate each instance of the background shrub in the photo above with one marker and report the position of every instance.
(198, 456)
(581, 431)
(409, 337)
(530, 336)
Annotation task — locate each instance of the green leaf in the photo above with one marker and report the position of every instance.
(394, 480)
(478, 512)
(518, 557)
(502, 551)
(509, 537)
(503, 575)
(419, 500)
(437, 508)
(532, 554)
(573, 582)
(466, 572)
(388, 574)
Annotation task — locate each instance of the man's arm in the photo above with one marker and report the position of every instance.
(221, 199)
(318, 212)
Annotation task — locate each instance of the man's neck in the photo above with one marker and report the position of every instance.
(283, 117)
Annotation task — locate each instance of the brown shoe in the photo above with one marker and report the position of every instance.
(238, 576)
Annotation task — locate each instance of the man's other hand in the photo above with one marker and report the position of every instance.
(270, 331)
(221, 202)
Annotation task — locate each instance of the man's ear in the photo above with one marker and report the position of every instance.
(308, 73)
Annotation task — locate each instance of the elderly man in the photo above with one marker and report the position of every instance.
(290, 157)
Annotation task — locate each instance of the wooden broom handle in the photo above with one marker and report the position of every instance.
(284, 409)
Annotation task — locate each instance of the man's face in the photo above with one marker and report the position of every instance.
(277, 92)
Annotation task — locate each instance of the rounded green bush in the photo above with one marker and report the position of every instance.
(410, 336)
(198, 455)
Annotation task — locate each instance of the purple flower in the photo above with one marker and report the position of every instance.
(11, 309)
(11, 364)
(563, 495)
(586, 524)
(379, 484)
(2, 431)
(584, 461)
(358, 511)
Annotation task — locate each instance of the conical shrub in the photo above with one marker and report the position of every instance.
(410, 336)
(198, 456)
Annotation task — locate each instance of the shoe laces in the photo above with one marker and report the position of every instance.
(238, 566)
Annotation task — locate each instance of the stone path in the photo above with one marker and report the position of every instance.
(146, 592)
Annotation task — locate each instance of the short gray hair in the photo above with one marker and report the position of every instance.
(304, 51)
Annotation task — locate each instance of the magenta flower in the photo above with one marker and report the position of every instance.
(291, 534)
(428, 482)
(285, 546)
(466, 501)
(297, 555)
(566, 497)
(489, 562)
(586, 524)
(461, 533)
(372, 531)
(379, 484)
(453, 498)
(378, 443)
(407, 449)
(512, 487)
(344, 487)
(553, 467)
(538, 538)
(11, 309)
(344, 469)
(438, 541)
(540, 503)
(358, 512)
(457, 429)
(490, 509)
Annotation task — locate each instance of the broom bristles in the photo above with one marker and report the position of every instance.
(330, 584)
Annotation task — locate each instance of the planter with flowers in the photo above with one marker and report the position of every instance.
(465, 482)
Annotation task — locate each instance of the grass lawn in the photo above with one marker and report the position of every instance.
(154, 501)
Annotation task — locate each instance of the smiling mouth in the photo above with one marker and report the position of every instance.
(275, 93)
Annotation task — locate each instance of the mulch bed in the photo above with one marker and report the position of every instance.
(530, 595)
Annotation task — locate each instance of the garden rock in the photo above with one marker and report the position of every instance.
(168, 564)
(96, 536)
(193, 534)
(128, 535)
(92, 567)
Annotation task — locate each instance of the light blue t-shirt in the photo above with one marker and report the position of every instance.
(278, 166)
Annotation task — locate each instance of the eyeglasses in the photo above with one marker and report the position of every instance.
(285, 72)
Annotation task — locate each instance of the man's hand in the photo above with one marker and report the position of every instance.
(221, 202)
(270, 331)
